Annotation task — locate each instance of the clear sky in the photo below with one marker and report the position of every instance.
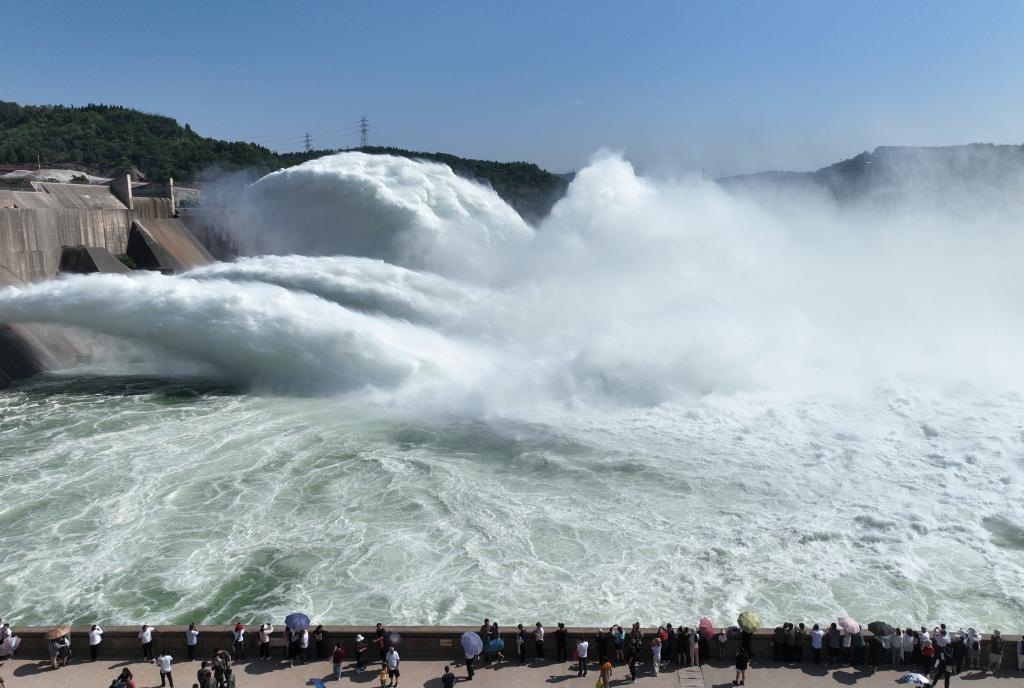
(727, 86)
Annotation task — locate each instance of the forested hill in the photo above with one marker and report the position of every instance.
(107, 139)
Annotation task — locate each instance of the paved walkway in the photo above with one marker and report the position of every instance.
(420, 674)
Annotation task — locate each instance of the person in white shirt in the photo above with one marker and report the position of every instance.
(304, 644)
(238, 639)
(146, 636)
(847, 651)
(392, 659)
(265, 631)
(908, 646)
(816, 640)
(95, 638)
(191, 641)
(538, 640)
(581, 656)
(164, 662)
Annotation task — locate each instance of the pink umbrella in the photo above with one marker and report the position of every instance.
(705, 628)
(848, 625)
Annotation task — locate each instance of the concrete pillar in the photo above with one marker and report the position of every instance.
(122, 188)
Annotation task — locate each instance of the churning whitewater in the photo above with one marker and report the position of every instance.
(663, 401)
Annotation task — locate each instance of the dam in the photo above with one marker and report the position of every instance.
(49, 228)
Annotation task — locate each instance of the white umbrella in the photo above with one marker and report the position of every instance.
(8, 646)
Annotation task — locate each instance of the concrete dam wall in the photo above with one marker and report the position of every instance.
(50, 228)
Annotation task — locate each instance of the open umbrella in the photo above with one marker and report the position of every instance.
(705, 628)
(914, 679)
(848, 625)
(8, 646)
(392, 639)
(297, 621)
(57, 632)
(472, 644)
(880, 628)
(495, 645)
(748, 621)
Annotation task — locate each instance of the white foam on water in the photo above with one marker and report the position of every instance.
(252, 333)
(663, 402)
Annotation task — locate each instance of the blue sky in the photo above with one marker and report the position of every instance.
(677, 86)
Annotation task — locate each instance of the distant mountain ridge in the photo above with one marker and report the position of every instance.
(107, 139)
(890, 171)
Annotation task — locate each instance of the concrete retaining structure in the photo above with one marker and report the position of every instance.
(89, 259)
(439, 643)
(98, 222)
(166, 245)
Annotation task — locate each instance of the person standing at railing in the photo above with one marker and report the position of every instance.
(265, 631)
(191, 641)
(95, 638)
(146, 636)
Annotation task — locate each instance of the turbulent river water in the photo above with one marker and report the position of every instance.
(663, 402)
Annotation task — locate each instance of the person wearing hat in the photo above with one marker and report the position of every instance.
(361, 649)
(995, 651)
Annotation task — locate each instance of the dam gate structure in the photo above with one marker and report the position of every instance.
(42, 221)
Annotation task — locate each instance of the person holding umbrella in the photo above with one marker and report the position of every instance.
(742, 661)
(472, 645)
(53, 636)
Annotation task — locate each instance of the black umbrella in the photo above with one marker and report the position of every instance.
(880, 628)
(392, 638)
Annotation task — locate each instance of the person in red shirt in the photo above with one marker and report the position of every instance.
(927, 657)
(337, 657)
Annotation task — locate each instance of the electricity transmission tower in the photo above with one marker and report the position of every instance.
(308, 142)
(364, 132)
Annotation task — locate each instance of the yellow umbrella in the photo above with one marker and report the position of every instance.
(748, 621)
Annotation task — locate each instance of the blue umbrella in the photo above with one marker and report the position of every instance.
(472, 644)
(297, 621)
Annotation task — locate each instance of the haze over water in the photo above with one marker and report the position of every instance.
(665, 401)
